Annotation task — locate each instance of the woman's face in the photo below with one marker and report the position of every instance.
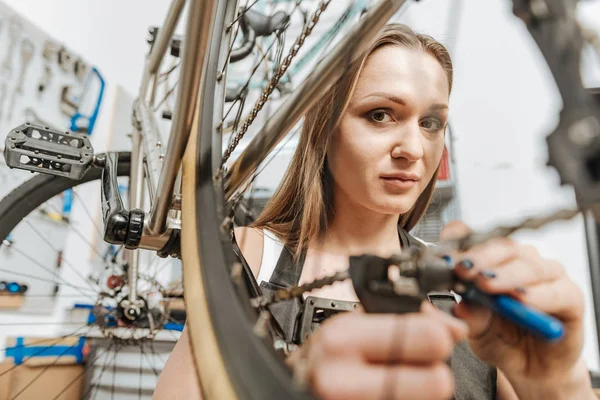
(391, 138)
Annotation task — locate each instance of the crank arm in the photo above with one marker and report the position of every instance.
(120, 225)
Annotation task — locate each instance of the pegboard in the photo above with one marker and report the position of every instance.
(41, 81)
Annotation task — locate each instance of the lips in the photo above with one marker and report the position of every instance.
(400, 180)
(405, 176)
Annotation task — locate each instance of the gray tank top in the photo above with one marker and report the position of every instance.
(474, 380)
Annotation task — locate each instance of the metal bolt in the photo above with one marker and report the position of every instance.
(584, 131)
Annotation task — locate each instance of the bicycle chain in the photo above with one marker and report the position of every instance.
(461, 244)
(268, 90)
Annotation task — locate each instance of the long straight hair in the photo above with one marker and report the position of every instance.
(300, 209)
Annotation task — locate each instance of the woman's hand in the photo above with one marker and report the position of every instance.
(531, 365)
(374, 356)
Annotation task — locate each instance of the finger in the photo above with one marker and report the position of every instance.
(455, 230)
(486, 255)
(335, 380)
(459, 331)
(519, 273)
(561, 298)
(386, 338)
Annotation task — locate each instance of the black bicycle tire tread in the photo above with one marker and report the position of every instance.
(43, 183)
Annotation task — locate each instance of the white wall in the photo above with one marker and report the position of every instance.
(109, 33)
(503, 105)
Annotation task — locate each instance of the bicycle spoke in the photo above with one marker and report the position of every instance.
(140, 372)
(97, 380)
(166, 97)
(64, 260)
(151, 345)
(43, 371)
(246, 8)
(114, 375)
(268, 90)
(45, 348)
(46, 280)
(156, 373)
(39, 264)
(247, 84)
(81, 235)
(72, 382)
(89, 214)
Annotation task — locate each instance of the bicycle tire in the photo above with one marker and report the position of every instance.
(231, 361)
(31, 194)
(24, 201)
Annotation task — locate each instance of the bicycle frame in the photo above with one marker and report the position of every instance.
(158, 169)
(151, 164)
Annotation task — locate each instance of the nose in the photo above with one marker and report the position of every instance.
(408, 142)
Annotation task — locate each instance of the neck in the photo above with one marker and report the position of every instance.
(354, 229)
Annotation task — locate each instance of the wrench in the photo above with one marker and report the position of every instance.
(14, 29)
(27, 49)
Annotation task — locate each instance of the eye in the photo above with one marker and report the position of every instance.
(379, 116)
(432, 124)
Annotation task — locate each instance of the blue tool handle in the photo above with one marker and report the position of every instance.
(536, 322)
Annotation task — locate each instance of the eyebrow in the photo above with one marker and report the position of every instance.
(401, 101)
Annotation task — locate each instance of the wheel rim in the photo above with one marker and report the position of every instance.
(104, 364)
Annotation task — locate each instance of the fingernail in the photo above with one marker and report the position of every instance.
(466, 264)
(521, 290)
(488, 274)
(448, 260)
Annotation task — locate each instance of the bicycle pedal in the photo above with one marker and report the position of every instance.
(49, 151)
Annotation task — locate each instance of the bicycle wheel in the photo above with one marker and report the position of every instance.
(68, 270)
(232, 359)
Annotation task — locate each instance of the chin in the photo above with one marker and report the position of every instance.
(395, 206)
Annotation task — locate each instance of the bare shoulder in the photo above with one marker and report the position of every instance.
(251, 241)
(178, 378)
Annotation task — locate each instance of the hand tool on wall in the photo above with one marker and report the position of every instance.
(44, 80)
(72, 105)
(14, 29)
(27, 49)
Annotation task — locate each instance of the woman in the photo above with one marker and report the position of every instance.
(366, 165)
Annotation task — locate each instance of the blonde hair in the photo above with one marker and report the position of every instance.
(300, 208)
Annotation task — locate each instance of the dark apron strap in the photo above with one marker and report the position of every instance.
(286, 274)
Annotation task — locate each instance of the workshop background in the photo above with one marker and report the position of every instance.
(503, 105)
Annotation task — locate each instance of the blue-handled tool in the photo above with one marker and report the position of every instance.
(534, 321)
